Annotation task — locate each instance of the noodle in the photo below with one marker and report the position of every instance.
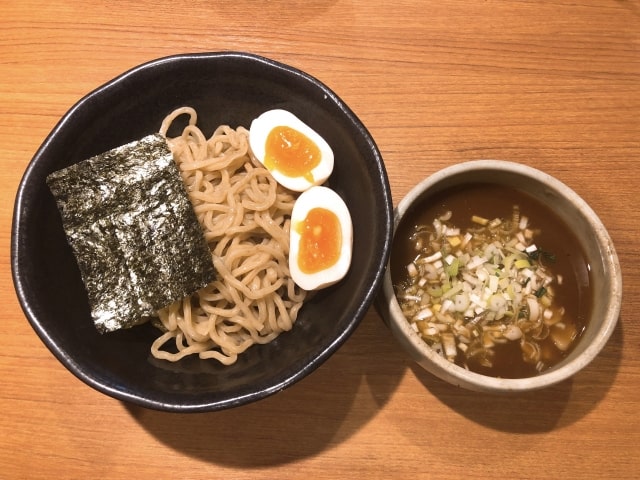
(245, 215)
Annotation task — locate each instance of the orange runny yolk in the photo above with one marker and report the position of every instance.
(291, 152)
(320, 240)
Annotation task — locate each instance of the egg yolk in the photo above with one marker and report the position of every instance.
(320, 240)
(291, 153)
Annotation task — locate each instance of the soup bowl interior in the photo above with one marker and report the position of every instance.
(605, 276)
(225, 88)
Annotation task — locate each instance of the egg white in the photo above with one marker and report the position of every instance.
(258, 132)
(323, 197)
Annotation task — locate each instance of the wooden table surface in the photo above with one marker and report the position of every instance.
(552, 84)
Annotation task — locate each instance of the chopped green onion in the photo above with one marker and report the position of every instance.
(479, 220)
(540, 292)
(536, 254)
(480, 288)
(452, 269)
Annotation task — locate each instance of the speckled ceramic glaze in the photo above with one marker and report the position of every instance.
(605, 273)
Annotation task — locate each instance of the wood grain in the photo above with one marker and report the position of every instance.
(553, 84)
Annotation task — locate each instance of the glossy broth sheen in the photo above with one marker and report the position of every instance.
(491, 201)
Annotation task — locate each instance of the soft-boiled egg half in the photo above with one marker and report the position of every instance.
(321, 239)
(295, 155)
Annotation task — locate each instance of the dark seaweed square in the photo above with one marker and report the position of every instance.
(135, 236)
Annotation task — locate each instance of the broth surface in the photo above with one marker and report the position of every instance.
(491, 201)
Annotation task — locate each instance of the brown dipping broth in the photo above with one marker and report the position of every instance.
(491, 201)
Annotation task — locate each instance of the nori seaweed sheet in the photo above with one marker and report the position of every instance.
(133, 230)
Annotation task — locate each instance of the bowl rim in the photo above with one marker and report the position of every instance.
(198, 405)
(442, 368)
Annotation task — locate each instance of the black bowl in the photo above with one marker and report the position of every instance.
(225, 88)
